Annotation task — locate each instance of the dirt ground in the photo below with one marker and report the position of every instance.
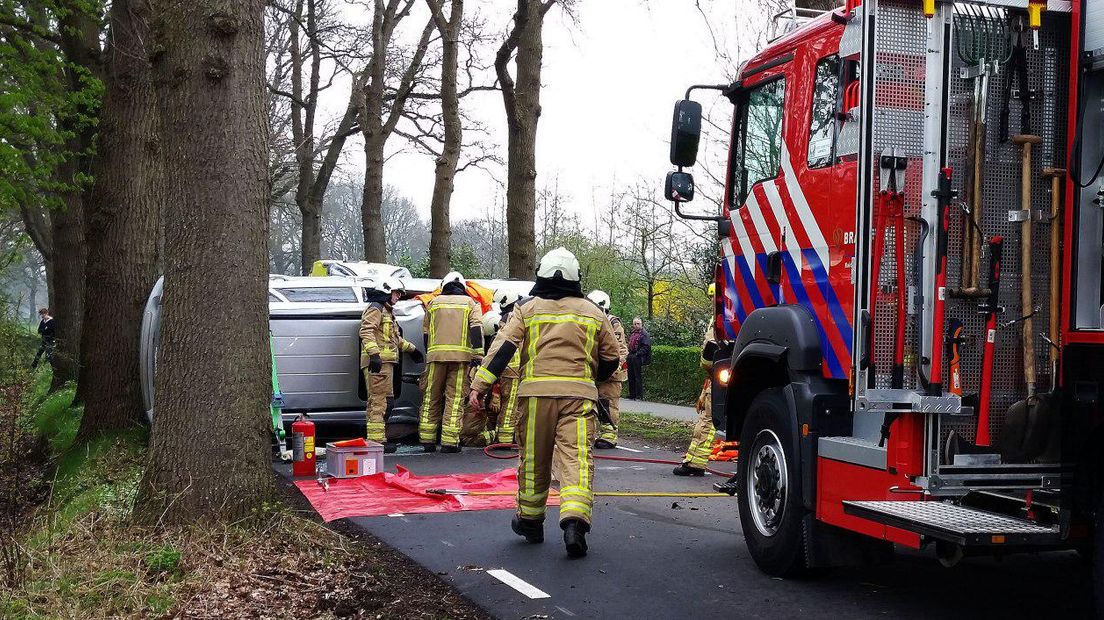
(354, 576)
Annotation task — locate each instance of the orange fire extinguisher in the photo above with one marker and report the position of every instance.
(302, 447)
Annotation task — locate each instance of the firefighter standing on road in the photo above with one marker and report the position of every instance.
(381, 344)
(508, 380)
(454, 341)
(609, 391)
(701, 442)
(567, 346)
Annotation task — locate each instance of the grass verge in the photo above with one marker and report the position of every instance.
(655, 431)
(78, 555)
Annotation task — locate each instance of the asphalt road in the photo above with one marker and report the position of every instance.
(664, 558)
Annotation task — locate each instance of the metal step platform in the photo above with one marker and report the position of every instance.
(954, 523)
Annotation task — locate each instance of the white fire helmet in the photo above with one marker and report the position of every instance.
(490, 323)
(453, 276)
(505, 297)
(600, 299)
(391, 285)
(559, 261)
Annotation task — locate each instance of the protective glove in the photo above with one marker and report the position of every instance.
(375, 363)
(417, 356)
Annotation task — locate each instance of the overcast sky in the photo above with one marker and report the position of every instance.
(611, 77)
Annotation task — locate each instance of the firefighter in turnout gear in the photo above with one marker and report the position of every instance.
(453, 329)
(567, 347)
(701, 442)
(609, 392)
(478, 427)
(381, 343)
(508, 380)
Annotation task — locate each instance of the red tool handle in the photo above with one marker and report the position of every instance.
(897, 377)
(996, 245)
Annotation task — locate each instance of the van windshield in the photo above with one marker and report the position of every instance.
(320, 294)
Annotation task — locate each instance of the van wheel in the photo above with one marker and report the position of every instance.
(769, 487)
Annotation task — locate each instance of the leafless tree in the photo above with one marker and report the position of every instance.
(521, 98)
(385, 85)
(309, 47)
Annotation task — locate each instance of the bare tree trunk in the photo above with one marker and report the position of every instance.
(121, 219)
(209, 447)
(378, 124)
(80, 45)
(522, 102)
(444, 181)
(67, 266)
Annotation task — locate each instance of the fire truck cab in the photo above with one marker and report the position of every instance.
(909, 289)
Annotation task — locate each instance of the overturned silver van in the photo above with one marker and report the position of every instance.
(315, 324)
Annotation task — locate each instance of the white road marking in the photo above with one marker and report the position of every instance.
(395, 514)
(518, 583)
(566, 611)
(628, 449)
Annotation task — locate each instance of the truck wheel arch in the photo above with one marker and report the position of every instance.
(773, 348)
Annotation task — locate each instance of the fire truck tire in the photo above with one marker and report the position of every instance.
(769, 487)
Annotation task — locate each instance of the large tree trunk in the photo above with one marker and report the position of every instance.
(121, 226)
(375, 240)
(209, 447)
(67, 284)
(522, 103)
(440, 228)
(80, 45)
(376, 123)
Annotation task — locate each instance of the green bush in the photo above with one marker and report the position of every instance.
(674, 376)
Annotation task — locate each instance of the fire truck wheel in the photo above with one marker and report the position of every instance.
(769, 487)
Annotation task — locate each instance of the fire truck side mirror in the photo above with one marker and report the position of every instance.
(685, 132)
(679, 186)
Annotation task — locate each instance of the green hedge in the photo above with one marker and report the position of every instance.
(674, 376)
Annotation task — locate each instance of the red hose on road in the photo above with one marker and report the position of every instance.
(489, 451)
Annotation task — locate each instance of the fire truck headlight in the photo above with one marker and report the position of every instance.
(724, 375)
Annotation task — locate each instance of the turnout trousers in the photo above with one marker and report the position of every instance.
(545, 424)
(443, 402)
(701, 442)
(610, 391)
(381, 388)
(507, 410)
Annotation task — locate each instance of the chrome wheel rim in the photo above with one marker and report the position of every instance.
(766, 482)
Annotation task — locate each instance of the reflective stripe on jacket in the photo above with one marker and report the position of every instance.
(379, 335)
(710, 336)
(448, 321)
(513, 369)
(560, 343)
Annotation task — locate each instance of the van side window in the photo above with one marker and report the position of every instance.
(822, 126)
(761, 143)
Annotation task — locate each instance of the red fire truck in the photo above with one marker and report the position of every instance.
(910, 291)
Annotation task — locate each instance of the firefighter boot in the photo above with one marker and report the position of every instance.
(685, 469)
(429, 447)
(531, 529)
(449, 449)
(389, 447)
(574, 534)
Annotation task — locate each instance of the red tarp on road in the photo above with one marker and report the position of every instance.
(386, 493)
